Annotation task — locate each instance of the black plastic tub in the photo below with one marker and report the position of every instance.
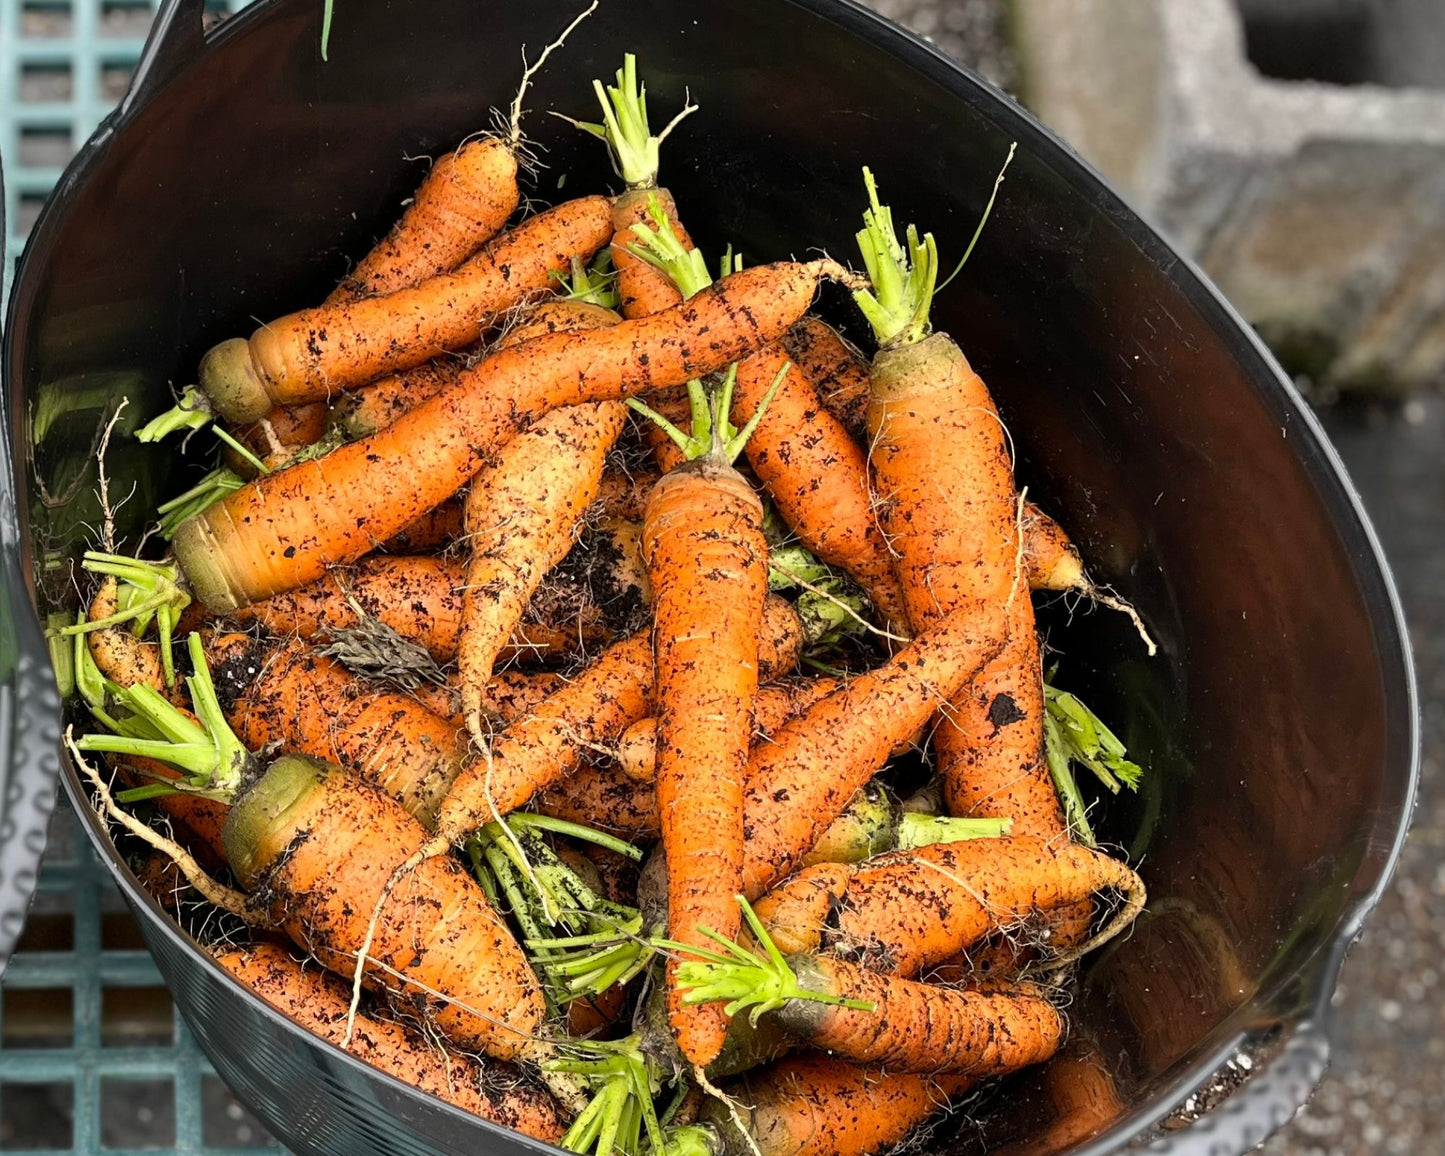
(1277, 722)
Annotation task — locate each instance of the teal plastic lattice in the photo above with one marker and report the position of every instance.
(93, 1057)
(63, 65)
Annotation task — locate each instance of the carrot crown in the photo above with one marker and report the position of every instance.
(596, 283)
(624, 128)
(1075, 734)
(206, 748)
(744, 979)
(146, 592)
(621, 1111)
(905, 279)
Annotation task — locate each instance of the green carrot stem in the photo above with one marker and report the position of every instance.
(624, 128)
(246, 454)
(903, 279)
(199, 498)
(192, 412)
(921, 830)
(662, 248)
(526, 820)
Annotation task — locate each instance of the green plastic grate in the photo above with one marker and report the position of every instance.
(93, 1055)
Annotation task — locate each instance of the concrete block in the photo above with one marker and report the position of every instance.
(1318, 207)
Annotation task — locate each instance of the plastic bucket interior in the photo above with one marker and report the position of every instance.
(1277, 723)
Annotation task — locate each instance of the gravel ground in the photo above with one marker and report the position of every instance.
(1383, 1088)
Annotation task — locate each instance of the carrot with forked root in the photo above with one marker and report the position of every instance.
(283, 530)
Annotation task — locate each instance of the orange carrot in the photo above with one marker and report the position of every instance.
(835, 369)
(292, 696)
(872, 1018)
(433, 530)
(521, 511)
(368, 408)
(310, 355)
(802, 780)
(460, 205)
(284, 529)
(319, 1002)
(816, 1105)
(549, 742)
(946, 496)
(909, 910)
(509, 696)
(707, 563)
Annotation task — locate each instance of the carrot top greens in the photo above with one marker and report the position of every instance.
(624, 128)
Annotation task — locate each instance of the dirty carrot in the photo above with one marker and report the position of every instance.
(284, 529)
(522, 509)
(913, 909)
(291, 696)
(319, 1002)
(313, 354)
(368, 408)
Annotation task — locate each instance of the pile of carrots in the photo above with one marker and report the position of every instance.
(624, 689)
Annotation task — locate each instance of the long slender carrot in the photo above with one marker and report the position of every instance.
(817, 1105)
(521, 511)
(313, 354)
(306, 703)
(913, 909)
(284, 529)
(319, 1002)
(874, 1018)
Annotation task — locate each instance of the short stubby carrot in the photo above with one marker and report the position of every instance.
(316, 353)
(522, 509)
(802, 780)
(294, 697)
(909, 910)
(323, 846)
(319, 1002)
(283, 530)
(818, 478)
(817, 1105)
(460, 205)
(707, 561)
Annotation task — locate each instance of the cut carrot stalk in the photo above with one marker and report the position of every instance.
(283, 530)
(1075, 734)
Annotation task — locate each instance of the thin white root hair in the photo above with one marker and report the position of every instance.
(1135, 896)
(227, 899)
(514, 118)
(107, 525)
(730, 1104)
(1101, 595)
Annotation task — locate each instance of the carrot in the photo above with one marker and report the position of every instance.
(521, 511)
(362, 411)
(801, 781)
(317, 847)
(509, 696)
(284, 529)
(835, 369)
(310, 355)
(282, 429)
(912, 909)
(421, 598)
(431, 531)
(460, 205)
(623, 496)
(294, 697)
(549, 742)
(773, 706)
(319, 1003)
(603, 798)
(1083, 1099)
(868, 1017)
(817, 1105)
(944, 481)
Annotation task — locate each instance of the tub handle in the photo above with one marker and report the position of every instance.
(1263, 1105)
(177, 37)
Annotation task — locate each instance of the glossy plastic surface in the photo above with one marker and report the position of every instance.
(1278, 721)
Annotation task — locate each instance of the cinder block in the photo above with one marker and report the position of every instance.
(1318, 207)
